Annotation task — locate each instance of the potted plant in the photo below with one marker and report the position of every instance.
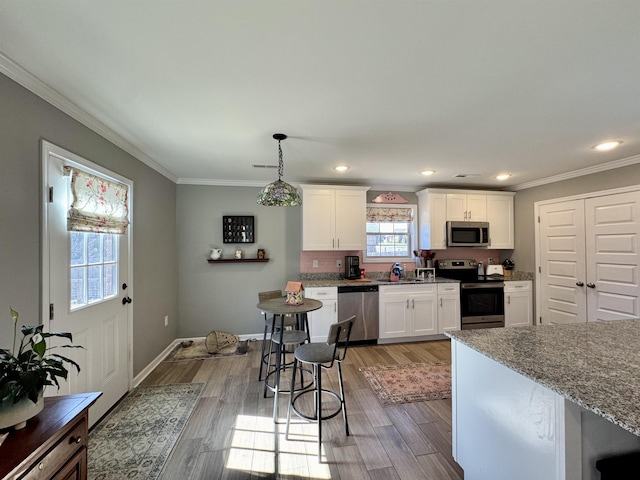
(26, 370)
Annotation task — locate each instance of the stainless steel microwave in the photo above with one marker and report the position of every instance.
(467, 234)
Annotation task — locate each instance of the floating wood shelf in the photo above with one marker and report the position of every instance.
(239, 260)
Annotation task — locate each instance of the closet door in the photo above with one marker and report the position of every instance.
(562, 261)
(612, 236)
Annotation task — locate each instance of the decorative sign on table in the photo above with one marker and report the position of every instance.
(237, 229)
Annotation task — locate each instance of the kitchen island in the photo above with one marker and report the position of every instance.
(545, 402)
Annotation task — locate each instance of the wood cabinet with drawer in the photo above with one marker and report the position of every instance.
(53, 445)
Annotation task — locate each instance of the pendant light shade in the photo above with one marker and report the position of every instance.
(279, 193)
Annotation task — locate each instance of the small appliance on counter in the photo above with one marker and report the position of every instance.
(492, 270)
(351, 267)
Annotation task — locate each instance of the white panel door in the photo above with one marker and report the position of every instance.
(100, 327)
(613, 232)
(562, 260)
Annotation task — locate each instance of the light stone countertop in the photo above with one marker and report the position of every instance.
(595, 364)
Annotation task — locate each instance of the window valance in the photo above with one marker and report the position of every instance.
(99, 205)
(389, 214)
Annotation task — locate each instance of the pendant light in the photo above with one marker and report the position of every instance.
(279, 193)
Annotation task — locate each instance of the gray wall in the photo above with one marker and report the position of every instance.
(25, 120)
(224, 296)
(524, 253)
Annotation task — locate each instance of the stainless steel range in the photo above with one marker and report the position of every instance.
(481, 296)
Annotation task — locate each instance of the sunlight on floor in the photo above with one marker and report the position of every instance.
(257, 443)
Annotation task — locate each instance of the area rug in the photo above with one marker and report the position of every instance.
(198, 351)
(413, 382)
(136, 438)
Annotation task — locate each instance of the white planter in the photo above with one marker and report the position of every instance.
(16, 415)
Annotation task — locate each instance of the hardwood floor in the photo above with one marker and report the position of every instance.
(231, 434)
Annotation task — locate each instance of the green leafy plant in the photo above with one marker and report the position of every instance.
(26, 371)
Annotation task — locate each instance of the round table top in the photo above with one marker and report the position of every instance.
(278, 306)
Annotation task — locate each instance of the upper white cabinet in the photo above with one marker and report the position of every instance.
(333, 217)
(436, 206)
(462, 207)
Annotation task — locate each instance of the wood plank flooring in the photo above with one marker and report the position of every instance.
(231, 434)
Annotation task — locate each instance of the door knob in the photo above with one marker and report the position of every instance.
(126, 300)
(591, 285)
(580, 284)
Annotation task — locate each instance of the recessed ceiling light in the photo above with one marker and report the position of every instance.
(341, 168)
(606, 146)
(426, 173)
(502, 176)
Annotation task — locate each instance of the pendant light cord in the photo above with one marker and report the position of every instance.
(280, 163)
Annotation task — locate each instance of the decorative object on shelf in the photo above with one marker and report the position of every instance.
(216, 254)
(26, 371)
(389, 198)
(237, 229)
(261, 253)
(238, 254)
(294, 293)
(279, 193)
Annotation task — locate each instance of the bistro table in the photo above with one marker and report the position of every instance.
(279, 308)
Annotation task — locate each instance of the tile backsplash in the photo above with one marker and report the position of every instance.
(326, 260)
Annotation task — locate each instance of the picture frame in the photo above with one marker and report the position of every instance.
(238, 229)
(426, 274)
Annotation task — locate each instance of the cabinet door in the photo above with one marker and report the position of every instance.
(476, 208)
(320, 320)
(500, 218)
(457, 207)
(432, 220)
(394, 316)
(424, 314)
(448, 313)
(318, 219)
(350, 219)
(518, 309)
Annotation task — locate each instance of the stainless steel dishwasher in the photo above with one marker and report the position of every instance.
(361, 301)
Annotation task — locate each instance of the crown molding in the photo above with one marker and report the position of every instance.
(32, 83)
(603, 167)
(222, 182)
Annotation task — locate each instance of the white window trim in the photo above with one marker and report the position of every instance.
(414, 236)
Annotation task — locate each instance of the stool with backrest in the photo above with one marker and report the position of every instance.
(269, 328)
(322, 356)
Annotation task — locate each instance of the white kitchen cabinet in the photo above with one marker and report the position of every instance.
(448, 307)
(320, 320)
(436, 206)
(408, 310)
(518, 303)
(501, 221)
(463, 207)
(333, 217)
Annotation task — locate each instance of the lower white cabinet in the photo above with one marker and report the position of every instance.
(518, 303)
(408, 310)
(320, 320)
(448, 307)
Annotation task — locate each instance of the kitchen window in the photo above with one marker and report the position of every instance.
(390, 233)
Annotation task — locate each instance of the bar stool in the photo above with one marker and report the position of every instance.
(289, 321)
(322, 356)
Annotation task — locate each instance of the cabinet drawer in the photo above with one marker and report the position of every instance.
(517, 286)
(74, 440)
(448, 288)
(403, 290)
(320, 293)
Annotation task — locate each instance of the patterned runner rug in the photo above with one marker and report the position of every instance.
(413, 382)
(136, 438)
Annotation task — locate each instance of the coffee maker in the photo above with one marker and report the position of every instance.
(351, 267)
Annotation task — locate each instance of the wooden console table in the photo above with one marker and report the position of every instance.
(53, 445)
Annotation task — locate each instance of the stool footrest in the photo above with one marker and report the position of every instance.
(314, 417)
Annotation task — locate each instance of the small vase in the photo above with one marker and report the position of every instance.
(16, 415)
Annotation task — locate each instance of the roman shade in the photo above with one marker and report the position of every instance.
(389, 214)
(99, 205)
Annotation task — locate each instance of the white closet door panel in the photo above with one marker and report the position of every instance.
(612, 236)
(562, 255)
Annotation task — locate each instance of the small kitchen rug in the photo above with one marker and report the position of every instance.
(136, 438)
(412, 382)
(198, 351)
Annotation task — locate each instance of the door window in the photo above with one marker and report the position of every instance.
(93, 268)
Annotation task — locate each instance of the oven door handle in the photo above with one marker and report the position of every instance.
(482, 285)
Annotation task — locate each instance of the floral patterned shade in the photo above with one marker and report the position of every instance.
(279, 194)
(99, 205)
(389, 214)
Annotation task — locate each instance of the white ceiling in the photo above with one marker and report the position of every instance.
(481, 87)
